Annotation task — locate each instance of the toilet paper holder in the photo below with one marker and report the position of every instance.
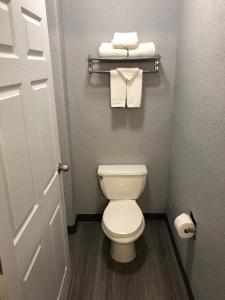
(192, 230)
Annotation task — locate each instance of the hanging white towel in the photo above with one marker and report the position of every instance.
(117, 89)
(133, 77)
(127, 40)
(143, 49)
(107, 50)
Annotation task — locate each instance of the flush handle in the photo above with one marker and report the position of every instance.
(63, 168)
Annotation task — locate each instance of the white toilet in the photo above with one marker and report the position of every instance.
(123, 221)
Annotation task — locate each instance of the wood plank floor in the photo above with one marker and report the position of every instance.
(153, 275)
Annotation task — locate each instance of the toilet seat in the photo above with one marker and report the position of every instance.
(122, 218)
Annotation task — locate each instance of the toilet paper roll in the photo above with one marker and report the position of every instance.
(183, 222)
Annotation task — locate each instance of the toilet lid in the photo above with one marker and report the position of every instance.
(123, 217)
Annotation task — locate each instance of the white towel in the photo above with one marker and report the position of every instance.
(117, 89)
(107, 50)
(143, 49)
(127, 40)
(133, 77)
(134, 91)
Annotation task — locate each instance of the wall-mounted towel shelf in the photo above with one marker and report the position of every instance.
(93, 60)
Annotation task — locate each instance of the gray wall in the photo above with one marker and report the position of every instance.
(55, 27)
(197, 174)
(101, 135)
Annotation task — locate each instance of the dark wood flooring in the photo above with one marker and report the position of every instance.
(153, 275)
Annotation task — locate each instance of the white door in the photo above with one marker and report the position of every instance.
(33, 240)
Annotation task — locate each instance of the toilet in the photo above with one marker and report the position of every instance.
(123, 221)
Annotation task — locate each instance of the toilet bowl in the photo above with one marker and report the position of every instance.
(123, 220)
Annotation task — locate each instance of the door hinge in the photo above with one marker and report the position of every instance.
(63, 168)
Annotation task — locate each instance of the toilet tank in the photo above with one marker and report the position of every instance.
(122, 182)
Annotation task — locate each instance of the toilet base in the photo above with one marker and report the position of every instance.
(123, 253)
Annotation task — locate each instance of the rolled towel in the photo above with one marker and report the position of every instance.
(107, 50)
(127, 40)
(143, 49)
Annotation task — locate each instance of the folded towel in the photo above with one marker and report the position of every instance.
(107, 50)
(128, 73)
(127, 40)
(117, 89)
(134, 91)
(133, 78)
(143, 49)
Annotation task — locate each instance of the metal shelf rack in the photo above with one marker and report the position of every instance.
(155, 60)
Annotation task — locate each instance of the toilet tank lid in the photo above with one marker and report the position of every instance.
(107, 170)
